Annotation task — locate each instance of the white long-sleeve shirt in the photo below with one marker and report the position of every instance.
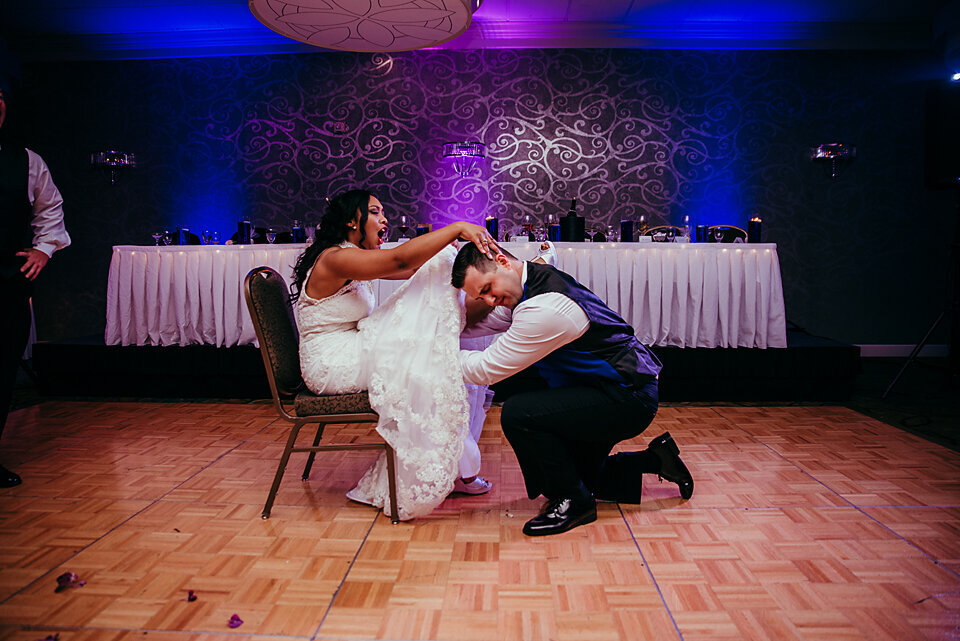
(534, 328)
(49, 232)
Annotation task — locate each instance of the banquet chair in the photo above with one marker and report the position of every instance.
(663, 233)
(726, 234)
(268, 302)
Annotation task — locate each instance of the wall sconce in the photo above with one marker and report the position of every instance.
(834, 153)
(115, 160)
(464, 154)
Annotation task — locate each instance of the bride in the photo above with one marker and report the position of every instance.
(404, 352)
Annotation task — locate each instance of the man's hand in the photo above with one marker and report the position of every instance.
(477, 310)
(35, 261)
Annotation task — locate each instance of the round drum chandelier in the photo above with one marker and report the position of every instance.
(367, 25)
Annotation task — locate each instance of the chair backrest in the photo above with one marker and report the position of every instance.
(269, 303)
(663, 233)
(726, 234)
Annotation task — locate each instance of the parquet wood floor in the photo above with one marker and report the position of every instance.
(808, 523)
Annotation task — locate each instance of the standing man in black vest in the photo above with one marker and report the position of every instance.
(599, 388)
(31, 230)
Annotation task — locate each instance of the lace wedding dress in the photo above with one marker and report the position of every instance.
(405, 353)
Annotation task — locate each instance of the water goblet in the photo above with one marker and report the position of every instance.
(718, 235)
(167, 237)
(205, 236)
(215, 237)
(642, 224)
(552, 223)
(157, 235)
(271, 235)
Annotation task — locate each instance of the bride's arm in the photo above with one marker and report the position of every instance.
(349, 263)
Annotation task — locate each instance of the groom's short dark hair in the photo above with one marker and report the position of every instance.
(469, 256)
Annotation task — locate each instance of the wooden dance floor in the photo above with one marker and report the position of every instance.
(812, 523)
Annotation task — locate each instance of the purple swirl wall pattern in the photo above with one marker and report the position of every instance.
(718, 135)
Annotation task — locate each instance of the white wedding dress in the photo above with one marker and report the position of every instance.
(405, 353)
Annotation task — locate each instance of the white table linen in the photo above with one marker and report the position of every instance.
(679, 294)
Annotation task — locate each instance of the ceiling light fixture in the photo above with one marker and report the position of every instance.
(114, 161)
(464, 154)
(367, 25)
(833, 154)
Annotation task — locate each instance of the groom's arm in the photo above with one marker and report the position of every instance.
(483, 320)
(539, 326)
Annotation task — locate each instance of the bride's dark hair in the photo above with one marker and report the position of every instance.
(331, 231)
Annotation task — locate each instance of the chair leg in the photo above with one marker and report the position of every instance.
(291, 442)
(309, 466)
(392, 477)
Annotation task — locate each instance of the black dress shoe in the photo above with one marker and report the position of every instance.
(560, 515)
(8, 478)
(671, 467)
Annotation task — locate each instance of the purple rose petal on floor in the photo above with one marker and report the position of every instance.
(191, 596)
(68, 580)
(235, 621)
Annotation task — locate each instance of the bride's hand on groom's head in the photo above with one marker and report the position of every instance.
(480, 237)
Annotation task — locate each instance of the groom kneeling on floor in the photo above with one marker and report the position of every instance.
(599, 387)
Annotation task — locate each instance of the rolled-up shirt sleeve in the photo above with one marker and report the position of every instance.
(49, 232)
(539, 326)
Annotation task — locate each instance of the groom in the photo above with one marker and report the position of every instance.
(599, 388)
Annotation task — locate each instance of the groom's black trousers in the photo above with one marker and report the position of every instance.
(15, 292)
(563, 437)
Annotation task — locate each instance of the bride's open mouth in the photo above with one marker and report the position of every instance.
(382, 235)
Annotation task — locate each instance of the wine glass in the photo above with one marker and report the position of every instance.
(718, 235)
(552, 223)
(271, 235)
(157, 235)
(167, 237)
(206, 236)
(403, 224)
(215, 236)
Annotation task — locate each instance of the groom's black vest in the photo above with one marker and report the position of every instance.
(607, 351)
(15, 209)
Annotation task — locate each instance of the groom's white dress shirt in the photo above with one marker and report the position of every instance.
(532, 330)
(49, 232)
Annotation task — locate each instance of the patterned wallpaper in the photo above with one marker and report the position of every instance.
(718, 135)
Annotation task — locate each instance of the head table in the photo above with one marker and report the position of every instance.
(679, 294)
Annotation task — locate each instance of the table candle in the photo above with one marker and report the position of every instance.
(493, 226)
(753, 230)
